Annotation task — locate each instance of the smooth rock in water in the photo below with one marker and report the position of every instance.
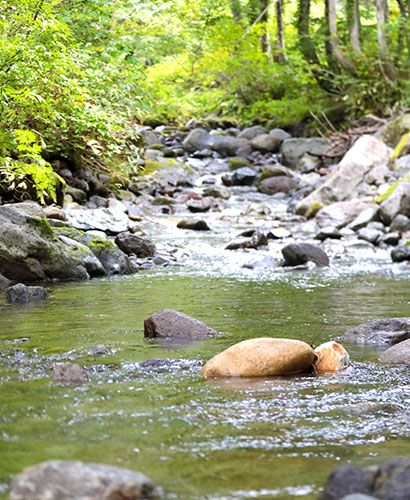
(365, 217)
(197, 140)
(217, 192)
(341, 213)
(399, 353)
(69, 372)
(331, 357)
(266, 143)
(371, 235)
(389, 481)
(244, 176)
(401, 253)
(94, 267)
(132, 244)
(297, 254)
(251, 132)
(65, 480)
(397, 203)
(278, 233)
(390, 238)
(386, 331)
(367, 153)
(400, 223)
(280, 184)
(231, 146)
(261, 357)
(22, 294)
(294, 149)
(199, 206)
(193, 225)
(257, 240)
(169, 324)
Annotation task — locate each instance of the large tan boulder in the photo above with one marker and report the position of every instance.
(261, 357)
(331, 357)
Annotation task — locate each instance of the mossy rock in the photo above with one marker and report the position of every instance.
(273, 172)
(383, 197)
(394, 131)
(43, 225)
(157, 146)
(236, 162)
(314, 209)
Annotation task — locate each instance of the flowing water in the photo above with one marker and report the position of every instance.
(262, 438)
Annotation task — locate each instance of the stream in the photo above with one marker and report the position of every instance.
(147, 407)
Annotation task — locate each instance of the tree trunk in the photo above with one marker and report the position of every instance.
(404, 24)
(354, 24)
(334, 38)
(280, 53)
(265, 37)
(236, 10)
(381, 11)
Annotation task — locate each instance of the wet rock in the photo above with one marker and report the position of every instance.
(261, 357)
(386, 331)
(390, 238)
(266, 143)
(293, 149)
(244, 176)
(399, 353)
(199, 206)
(397, 203)
(370, 235)
(367, 153)
(227, 180)
(97, 202)
(53, 212)
(4, 282)
(59, 480)
(170, 324)
(217, 192)
(76, 194)
(30, 251)
(400, 223)
(69, 373)
(366, 216)
(251, 132)
(330, 232)
(297, 254)
(281, 184)
(389, 481)
(231, 146)
(330, 357)
(257, 240)
(94, 267)
(113, 260)
(276, 171)
(401, 253)
(346, 480)
(339, 214)
(99, 350)
(109, 220)
(193, 225)
(278, 233)
(22, 294)
(132, 244)
(237, 162)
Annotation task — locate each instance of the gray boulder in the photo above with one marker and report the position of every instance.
(380, 332)
(344, 212)
(30, 250)
(199, 206)
(109, 220)
(400, 223)
(172, 324)
(226, 146)
(94, 267)
(113, 260)
(399, 353)
(397, 203)
(389, 481)
(297, 254)
(131, 243)
(280, 184)
(401, 253)
(294, 149)
(244, 176)
(266, 143)
(251, 132)
(69, 373)
(367, 153)
(64, 480)
(22, 294)
(197, 140)
(4, 282)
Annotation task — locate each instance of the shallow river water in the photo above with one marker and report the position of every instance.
(262, 438)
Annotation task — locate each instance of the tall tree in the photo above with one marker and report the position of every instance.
(236, 10)
(404, 32)
(354, 24)
(280, 53)
(335, 48)
(382, 14)
(265, 37)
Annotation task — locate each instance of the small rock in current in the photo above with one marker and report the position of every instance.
(331, 357)
(297, 254)
(22, 294)
(193, 225)
(69, 372)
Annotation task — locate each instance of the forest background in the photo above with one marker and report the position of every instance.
(79, 77)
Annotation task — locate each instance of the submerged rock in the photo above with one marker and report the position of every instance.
(59, 480)
(22, 294)
(132, 244)
(331, 357)
(297, 254)
(170, 324)
(69, 372)
(386, 331)
(261, 357)
(401, 253)
(399, 353)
